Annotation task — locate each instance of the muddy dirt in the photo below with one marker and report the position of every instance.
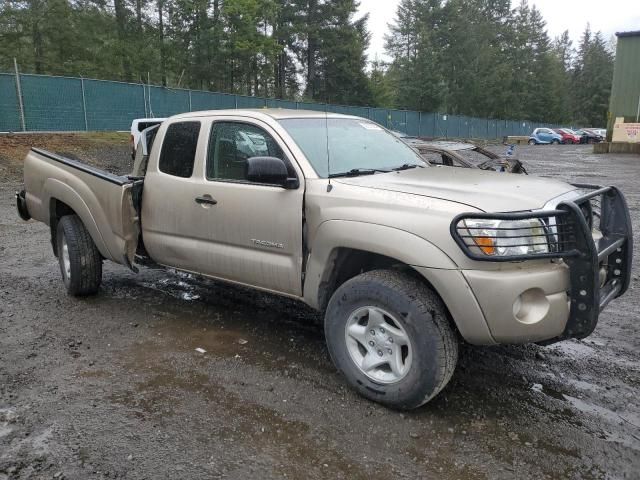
(113, 386)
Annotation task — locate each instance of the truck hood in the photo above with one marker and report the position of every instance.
(484, 190)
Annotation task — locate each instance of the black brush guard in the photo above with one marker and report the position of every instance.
(599, 264)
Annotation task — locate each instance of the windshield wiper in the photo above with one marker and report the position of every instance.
(354, 172)
(407, 166)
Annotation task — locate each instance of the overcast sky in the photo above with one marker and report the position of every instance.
(609, 16)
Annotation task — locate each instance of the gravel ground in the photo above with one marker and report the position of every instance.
(112, 386)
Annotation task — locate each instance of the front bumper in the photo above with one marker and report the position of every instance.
(524, 305)
(564, 299)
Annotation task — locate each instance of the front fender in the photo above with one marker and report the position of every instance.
(403, 246)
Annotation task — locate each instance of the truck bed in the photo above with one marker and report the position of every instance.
(84, 167)
(106, 203)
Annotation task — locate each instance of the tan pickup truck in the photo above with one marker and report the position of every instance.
(404, 258)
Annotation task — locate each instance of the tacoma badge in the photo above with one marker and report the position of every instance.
(264, 243)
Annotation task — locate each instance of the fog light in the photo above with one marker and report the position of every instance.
(531, 306)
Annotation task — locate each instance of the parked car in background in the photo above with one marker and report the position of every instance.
(137, 126)
(589, 136)
(448, 153)
(599, 131)
(568, 135)
(544, 136)
(465, 155)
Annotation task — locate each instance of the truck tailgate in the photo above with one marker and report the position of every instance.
(106, 203)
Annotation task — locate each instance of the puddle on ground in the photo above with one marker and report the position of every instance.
(265, 429)
(180, 286)
(582, 385)
(621, 421)
(630, 418)
(230, 321)
(573, 349)
(248, 340)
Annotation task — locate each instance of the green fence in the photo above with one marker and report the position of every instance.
(79, 104)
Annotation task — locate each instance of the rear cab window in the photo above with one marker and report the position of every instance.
(144, 125)
(178, 153)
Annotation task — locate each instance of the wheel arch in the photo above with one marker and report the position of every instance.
(344, 249)
(63, 200)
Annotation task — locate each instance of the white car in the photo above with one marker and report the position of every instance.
(137, 126)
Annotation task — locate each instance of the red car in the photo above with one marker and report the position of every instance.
(568, 136)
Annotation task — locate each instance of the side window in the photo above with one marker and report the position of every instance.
(232, 143)
(179, 149)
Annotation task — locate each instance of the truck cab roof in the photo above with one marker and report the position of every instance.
(271, 113)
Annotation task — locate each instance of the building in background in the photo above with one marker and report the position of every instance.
(625, 91)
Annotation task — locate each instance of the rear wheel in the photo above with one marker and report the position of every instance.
(389, 335)
(556, 142)
(79, 258)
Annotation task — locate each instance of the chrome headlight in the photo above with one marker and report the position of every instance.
(505, 238)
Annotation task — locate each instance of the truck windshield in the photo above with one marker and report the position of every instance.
(354, 145)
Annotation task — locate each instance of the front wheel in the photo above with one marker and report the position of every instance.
(389, 335)
(556, 142)
(532, 142)
(79, 258)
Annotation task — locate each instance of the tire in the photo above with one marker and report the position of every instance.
(556, 142)
(79, 258)
(532, 142)
(407, 306)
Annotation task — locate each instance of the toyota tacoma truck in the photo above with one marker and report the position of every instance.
(405, 260)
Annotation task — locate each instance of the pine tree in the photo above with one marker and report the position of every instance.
(561, 80)
(412, 43)
(342, 61)
(592, 80)
(380, 85)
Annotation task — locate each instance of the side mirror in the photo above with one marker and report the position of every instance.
(270, 170)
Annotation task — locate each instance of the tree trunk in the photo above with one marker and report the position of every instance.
(277, 66)
(312, 48)
(139, 16)
(121, 22)
(163, 71)
(214, 58)
(36, 36)
(279, 75)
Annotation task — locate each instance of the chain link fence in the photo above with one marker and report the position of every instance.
(40, 103)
